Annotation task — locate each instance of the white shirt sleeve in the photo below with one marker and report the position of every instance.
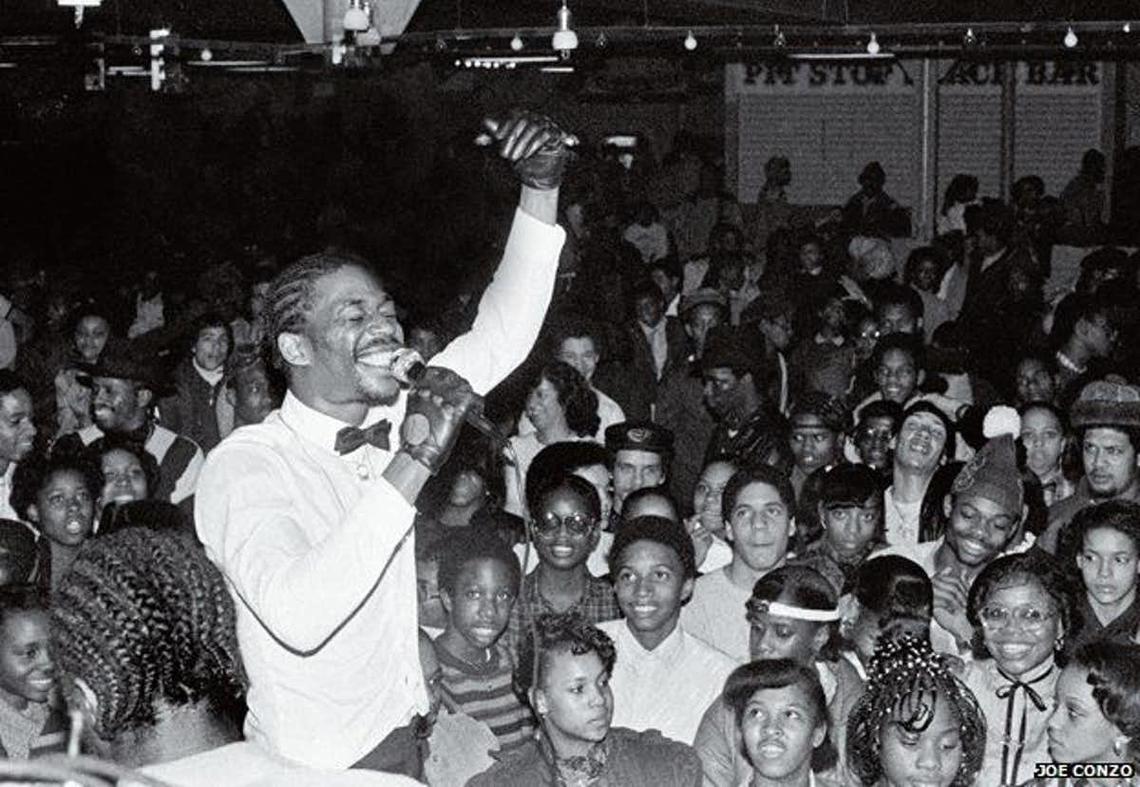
(512, 309)
(188, 481)
(302, 592)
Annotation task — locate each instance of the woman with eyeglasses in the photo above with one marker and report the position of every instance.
(565, 516)
(1021, 606)
(561, 406)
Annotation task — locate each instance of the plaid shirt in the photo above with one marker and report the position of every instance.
(597, 605)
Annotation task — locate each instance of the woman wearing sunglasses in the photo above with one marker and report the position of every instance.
(565, 515)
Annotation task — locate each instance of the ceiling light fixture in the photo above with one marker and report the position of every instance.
(516, 43)
(356, 18)
(1071, 39)
(970, 39)
(779, 41)
(565, 40)
(873, 45)
(79, 6)
(690, 41)
(1127, 27)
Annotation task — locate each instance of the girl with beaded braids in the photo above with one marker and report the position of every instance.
(144, 639)
(916, 723)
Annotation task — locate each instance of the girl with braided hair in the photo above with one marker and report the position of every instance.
(142, 629)
(564, 672)
(916, 723)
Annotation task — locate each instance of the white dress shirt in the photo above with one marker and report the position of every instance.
(6, 510)
(244, 764)
(664, 688)
(317, 547)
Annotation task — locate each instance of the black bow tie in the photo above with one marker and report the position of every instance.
(350, 438)
(1005, 692)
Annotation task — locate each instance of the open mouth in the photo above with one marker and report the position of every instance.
(971, 546)
(771, 749)
(1013, 651)
(41, 684)
(75, 527)
(562, 552)
(376, 356)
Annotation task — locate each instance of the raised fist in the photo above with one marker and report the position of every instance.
(536, 146)
(434, 417)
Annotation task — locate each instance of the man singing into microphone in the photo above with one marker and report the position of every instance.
(309, 513)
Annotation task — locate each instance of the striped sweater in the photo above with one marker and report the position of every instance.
(36, 731)
(484, 693)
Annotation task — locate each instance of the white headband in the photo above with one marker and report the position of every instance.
(802, 613)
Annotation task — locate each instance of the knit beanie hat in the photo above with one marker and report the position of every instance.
(1107, 403)
(993, 472)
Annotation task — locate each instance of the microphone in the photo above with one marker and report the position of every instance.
(407, 366)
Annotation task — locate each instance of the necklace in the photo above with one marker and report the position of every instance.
(908, 522)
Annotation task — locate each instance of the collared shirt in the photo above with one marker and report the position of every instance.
(1056, 487)
(658, 344)
(597, 605)
(1122, 629)
(1062, 513)
(693, 670)
(6, 510)
(245, 764)
(988, 262)
(8, 344)
(1016, 728)
(900, 520)
(317, 547)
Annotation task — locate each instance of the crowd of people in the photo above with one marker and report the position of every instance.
(775, 508)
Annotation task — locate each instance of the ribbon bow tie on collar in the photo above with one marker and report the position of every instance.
(351, 438)
(1005, 692)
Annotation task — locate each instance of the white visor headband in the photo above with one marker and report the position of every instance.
(799, 613)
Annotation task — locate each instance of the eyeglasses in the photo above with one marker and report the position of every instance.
(1029, 618)
(550, 523)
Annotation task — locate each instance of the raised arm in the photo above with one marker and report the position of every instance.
(514, 305)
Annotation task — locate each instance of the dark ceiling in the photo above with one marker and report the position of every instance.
(268, 20)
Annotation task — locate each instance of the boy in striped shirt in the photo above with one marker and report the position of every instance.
(478, 581)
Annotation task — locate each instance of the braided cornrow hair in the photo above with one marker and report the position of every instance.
(290, 294)
(906, 680)
(144, 616)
